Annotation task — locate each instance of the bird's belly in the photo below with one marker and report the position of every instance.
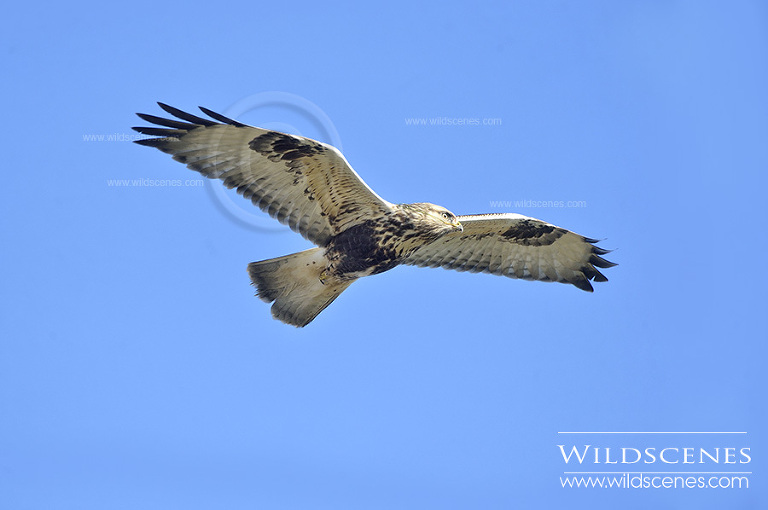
(360, 251)
(359, 264)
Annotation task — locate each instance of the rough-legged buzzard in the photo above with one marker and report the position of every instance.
(310, 187)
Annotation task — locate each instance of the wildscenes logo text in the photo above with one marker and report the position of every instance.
(668, 455)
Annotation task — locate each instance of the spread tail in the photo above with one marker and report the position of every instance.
(293, 283)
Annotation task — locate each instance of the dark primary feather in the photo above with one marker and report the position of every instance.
(221, 118)
(166, 122)
(164, 132)
(186, 116)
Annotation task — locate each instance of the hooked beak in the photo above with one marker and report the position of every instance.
(458, 226)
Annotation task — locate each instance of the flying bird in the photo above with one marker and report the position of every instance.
(309, 186)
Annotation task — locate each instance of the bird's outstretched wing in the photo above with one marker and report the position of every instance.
(518, 247)
(303, 183)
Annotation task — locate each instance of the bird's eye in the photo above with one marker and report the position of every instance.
(447, 216)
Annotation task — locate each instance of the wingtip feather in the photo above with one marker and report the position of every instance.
(180, 114)
(150, 142)
(221, 118)
(598, 261)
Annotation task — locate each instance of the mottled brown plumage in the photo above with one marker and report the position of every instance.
(310, 187)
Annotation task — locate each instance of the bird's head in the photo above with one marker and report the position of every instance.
(435, 218)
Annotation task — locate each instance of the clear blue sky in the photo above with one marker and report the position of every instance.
(137, 370)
